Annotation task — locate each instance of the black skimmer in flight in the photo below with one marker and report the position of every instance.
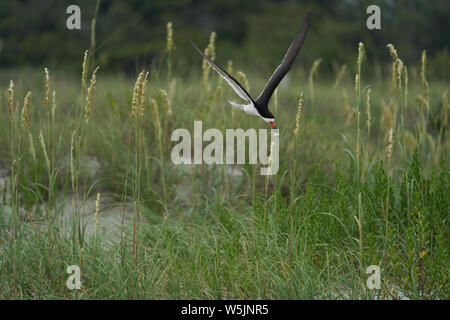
(260, 106)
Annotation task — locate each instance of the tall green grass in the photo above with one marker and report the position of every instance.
(344, 198)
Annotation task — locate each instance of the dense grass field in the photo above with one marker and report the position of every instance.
(86, 179)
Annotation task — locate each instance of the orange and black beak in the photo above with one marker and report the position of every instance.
(272, 124)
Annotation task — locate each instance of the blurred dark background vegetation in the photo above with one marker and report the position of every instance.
(131, 35)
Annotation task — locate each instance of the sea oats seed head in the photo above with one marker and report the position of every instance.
(369, 118)
(10, 97)
(392, 51)
(299, 114)
(32, 150)
(143, 100)
(25, 118)
(139, 93)
(90, 95)
(423, 70)
(212, 45)
(97, 211)
(47, 88)
(397, 70)
(356, 87)
(390, 145)
(360, 57)
(423, 76)
(53, 105)
(169, 41)
(84, 70)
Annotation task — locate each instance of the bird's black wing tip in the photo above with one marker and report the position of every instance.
(192, 43)
(308, 17)
(187, 37)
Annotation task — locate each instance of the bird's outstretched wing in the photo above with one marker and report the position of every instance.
(286, 64)
(237, 87)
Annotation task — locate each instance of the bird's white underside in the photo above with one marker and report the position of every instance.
(247, 108)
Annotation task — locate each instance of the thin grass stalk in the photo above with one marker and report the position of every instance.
(50, 179)
(296, 134)
(82, 153)
(89, 59)
(358, 146)
(96, 224)
(26, 125)
(52, 142)
(137, 112)
(122, 201)
(13, 177)
(169, 49)
(358, 104)
(294, 173)
(73, 175)
(271, 146)
(404, 104)
(360, 230)
(388, 161)
(154, 106)
(48, 126)
(75, 152)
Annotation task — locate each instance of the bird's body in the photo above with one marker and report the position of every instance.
(260, 106)
(249, 109)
